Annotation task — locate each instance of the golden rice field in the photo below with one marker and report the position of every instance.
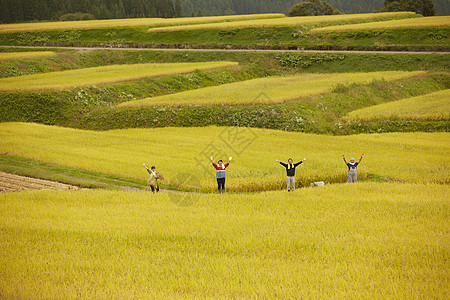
(440, 21)
(364, 241)
(268, 90)
(121, 23)
(102, 75)
(26, 55)
(406, 157)
(291, 21)
(434, 107)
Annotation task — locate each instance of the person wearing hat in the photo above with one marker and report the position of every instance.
(153, 178)
(220, 173)
(352, 165)
(290, 172)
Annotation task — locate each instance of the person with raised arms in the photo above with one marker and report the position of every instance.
(352, 165)
(154, 176)
(290, 172)
(220, 173)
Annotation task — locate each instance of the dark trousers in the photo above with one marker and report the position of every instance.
(155, 188)
(221, 184)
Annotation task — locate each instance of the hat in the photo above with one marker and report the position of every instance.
(220, 160)
(153, 167)
(352, 158)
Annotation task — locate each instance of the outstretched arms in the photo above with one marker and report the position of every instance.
(299, 162)
(281, 163)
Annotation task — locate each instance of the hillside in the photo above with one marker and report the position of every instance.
(272, 31)
(88, 107)
(14, 11)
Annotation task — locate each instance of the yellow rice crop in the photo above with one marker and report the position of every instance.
(102, 75)
(118, 23)
(434, 106)
(367, 241)
(427, 22)
(25, 55)
(279, 22)
(175, 151)
(269, 90)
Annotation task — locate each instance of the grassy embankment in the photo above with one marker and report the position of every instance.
(187, 150)
(373, 240)
(269, 31)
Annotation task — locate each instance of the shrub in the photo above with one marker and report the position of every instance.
(78, 16)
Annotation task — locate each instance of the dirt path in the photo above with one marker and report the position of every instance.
(14, 183)
(87, 49)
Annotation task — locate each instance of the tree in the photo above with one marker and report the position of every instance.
(178, 9)
(312, 8)
(423, 7)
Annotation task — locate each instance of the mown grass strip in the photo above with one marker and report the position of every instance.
(177, 151)
(291, 21)
(270, 90)
(102, 75)
(123, 23)
(78, 177)
(429, 107)
(427, 22)
(25, 55)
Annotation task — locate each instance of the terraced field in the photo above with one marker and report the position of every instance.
(384, 237)
(428, 22)
(178, 151)
(435, 106)
(270, 90)
(102, 75)
(123, 23)
(25, 55)
(291, 21)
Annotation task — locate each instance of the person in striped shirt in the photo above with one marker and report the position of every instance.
(220, 173)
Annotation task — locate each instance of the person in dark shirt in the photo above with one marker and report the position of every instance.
(290, 172)
(352, 165)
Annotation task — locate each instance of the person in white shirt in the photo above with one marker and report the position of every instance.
(153, 178)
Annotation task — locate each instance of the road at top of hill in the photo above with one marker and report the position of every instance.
(86, 49)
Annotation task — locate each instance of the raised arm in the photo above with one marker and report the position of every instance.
(343, 156)
(360, 159)
(299, 162)
(148, 170)
(283, 164)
